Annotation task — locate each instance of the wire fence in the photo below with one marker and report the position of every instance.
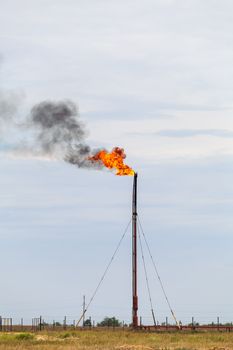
(7, 324)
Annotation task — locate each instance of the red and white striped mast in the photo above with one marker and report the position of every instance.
(134, 255)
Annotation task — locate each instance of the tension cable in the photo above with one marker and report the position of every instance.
(156, 271)
(104, 274)
(146, 276)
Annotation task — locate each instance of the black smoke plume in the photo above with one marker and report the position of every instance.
(55, 130)
(8, 108)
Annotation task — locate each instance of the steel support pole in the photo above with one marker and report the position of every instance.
(134, 255)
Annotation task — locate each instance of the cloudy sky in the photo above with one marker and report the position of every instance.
(154, 77)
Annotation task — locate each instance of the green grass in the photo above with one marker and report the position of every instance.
(24, 336)
(115, 340)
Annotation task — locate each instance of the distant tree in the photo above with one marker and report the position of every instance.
(87, 323)
(109, 322)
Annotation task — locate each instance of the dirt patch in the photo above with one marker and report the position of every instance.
(133, 347)
(42, 337)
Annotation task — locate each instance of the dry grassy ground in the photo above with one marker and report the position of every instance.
(117, 340)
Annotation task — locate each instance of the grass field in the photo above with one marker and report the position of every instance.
(117, 340)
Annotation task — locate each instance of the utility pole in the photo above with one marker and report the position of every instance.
(134, 255)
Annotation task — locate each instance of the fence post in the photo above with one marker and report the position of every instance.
(193, 323)
(64, 323)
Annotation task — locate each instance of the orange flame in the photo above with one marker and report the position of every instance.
(113, 160)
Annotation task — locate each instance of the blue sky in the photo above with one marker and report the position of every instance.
(154, 77)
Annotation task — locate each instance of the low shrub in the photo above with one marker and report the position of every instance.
(65, 335)
(24, 336)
